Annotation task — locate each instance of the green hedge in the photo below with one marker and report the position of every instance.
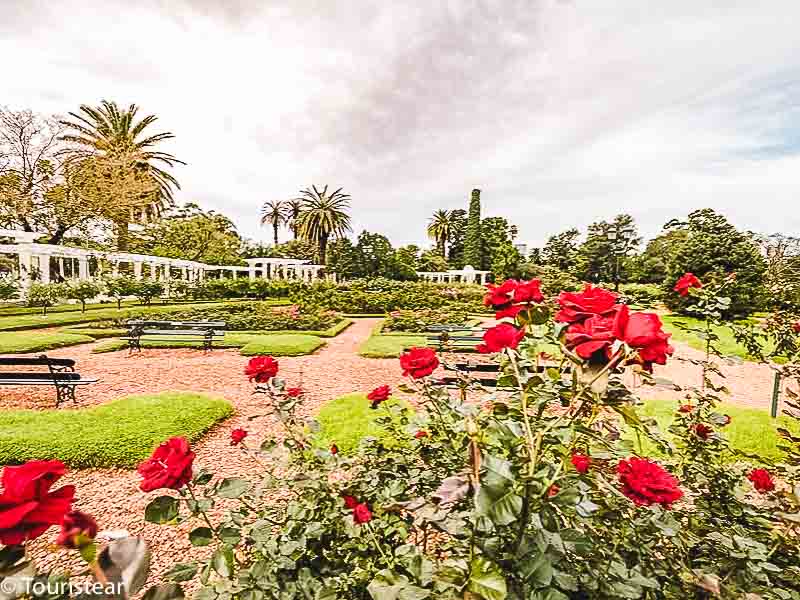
(292, 344)
(121, 433)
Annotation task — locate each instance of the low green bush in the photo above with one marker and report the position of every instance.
(418, 321)
(121, 433)
(642, 294)
(290, 344)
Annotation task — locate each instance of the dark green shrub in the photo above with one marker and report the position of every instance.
(82, 291)
(46, 295)
(416, 321)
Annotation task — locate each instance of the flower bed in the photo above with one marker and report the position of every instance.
(418, 321)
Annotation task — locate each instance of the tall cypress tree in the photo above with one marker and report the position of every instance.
(472, 243)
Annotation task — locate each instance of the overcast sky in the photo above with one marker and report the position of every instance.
(562, 112)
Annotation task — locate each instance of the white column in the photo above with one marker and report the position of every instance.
(83, 267)
(137, 269)
(185, 273)
(251, 272)
(115, 269)
(44, 268)
(25, 270)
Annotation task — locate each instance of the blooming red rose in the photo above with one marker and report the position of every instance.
(421, 434)
(334, 449)
(169, 467)
(688, 280)
(361, 514)
(528, 292)
(379, 394)
(509, 311)
(553, 490)
(578, 306)
(294, 392)
(686, 408)
(418, 362)
(644, 332)
(237, 435)
(796, 327)
(350, 502)
(499, 337)
(762, 480)
(261, 368)
(646, 482)
(581, 462)
(500, 295)
(27, 506)
(703, 431)
(77, 529)
(592, 335)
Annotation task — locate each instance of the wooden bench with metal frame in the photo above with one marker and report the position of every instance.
(205, 332)
(60, 374)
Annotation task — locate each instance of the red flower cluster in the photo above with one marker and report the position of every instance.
(796, 327)
(581, 462)
(499, 337)
(686, 408)
(77, 529)
(421, 434)
(703, 431)
(261, 368)
(646, 482)
(761, 480)
(237, 436)
(27, 506)
(688, 280)
(361, 512)
(418, 362)
(169, 467)
(597, 322)
(379, 394)
(334, 449)
(512, 296)
(294, 392)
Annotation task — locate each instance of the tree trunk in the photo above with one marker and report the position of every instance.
(121, 228)
(275, 232)
(323, 247)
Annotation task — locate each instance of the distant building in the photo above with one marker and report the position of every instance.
(522, 249)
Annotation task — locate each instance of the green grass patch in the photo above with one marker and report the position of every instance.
(331, 331)
(389, 346)
(751, 430)
(295, 344)
(346, 420)
(121, 433)
(726, 344)
(97, 333)
(23, 342)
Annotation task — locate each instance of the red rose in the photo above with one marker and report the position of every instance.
(334, 449)
(796, 327)
(361, 514)
(261, 368)
(418, 362)
(421, 434)
(688, 280)
(27, 507)
(350, 502)
(169, 467)
(703, 431)
(77, 529)
(510, 311)
(553, 490)
(646, 482)
(592, 335)
(237, 435)
(499, 337)
(529, 292)
(643, 331)
(379, 394)
(500, 295)
(581, 462)
(582, 305)
(686, 408)
(294, 392)
(762, 480)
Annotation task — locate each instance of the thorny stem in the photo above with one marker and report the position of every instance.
(202, 512)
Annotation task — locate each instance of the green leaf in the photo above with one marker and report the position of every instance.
(233, 487)
(486, 580)
(181, 572)
(167, 591)
(201, 536)
(230, 535)
(222, 561)
(162, 510)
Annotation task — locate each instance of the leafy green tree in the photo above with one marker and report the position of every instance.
(456, 238)
(472, 242)
(9, 289)
(495, 239)
(560, 250)
(535, 256)
(375, 255)
(82, 290)
(292, 249)
(650, 266)
(191, 233)
(343, 258)
(713, 249)
(324, 217)
(109, 143)
(782, 276)
(432, 261)
(121, 287)
(146, 289)
(293, 209)
(406, 263)
(439, 229)
(602, 256)
(506, 261)
(46, 295)
(273, 213)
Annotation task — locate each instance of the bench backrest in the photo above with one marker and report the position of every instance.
(38, 361)
(175, 324)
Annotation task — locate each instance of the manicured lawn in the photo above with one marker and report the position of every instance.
(726, 343)
(21, 342)
(294, 344)
(345, 421)
(119, 434)
(389, 346)
(751, 430)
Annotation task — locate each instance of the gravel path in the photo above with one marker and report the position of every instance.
(113, 497)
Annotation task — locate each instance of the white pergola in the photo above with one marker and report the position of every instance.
(466, 275)
(36, 262)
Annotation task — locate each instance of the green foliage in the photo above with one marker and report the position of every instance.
(560, 250)
(9, 289)
(122, 287)
(553, 279)
(602, 256)
(23, 342)
(712, 250)
(418, 321)
(642, 294)
(121, 433)
(45, 295)
(429, 260)
(343, 259)
(389, 346)
(457, 238)
(283, 345)
(323, 217)
(83, 290)
(147, 289)
(498, 252)
(473, 245)
(690, 330)
(439, 229)
(651, 265)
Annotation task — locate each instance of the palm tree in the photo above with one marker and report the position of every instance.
(293, 209)
(439, 229)
(111, 144)
(274, 213)
(323, 216)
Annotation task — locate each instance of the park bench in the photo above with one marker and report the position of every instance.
(60, 374)
(484, 374)
(202, 332)
(454, 338)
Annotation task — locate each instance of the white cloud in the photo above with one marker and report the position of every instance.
(562, 112)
